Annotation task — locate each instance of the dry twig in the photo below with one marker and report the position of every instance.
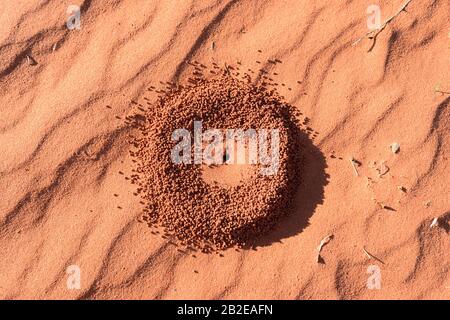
(372, 34)
(434, 223)
(383, 169)
(370, 256)
(321, 245)
(354, 164)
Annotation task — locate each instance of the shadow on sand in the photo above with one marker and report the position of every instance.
(310, 194)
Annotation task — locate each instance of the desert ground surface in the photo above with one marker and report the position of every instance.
(63, 202)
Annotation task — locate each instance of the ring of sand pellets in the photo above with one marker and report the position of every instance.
(176, 197)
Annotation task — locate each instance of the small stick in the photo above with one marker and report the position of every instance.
(353, 162)
(372, 34)
(367, 254)
(370, 256)
(434, 223)
(322, 244)
(31, 60)
(383, 169)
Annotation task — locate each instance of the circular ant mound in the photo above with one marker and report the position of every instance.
(176, 196)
